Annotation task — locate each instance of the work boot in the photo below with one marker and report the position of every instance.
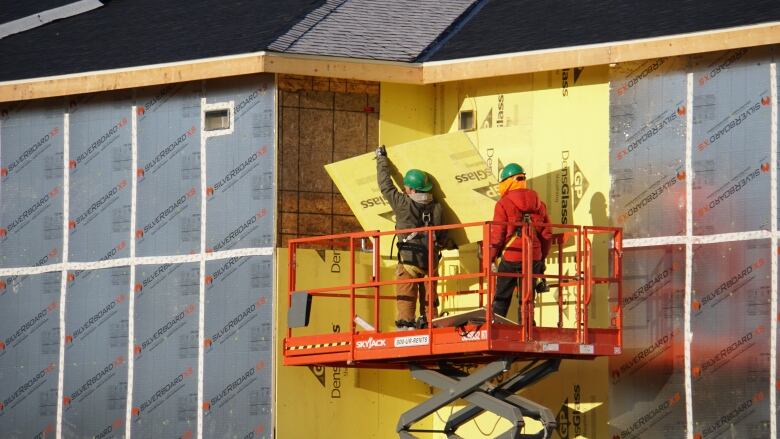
(404, 325)
(421, 323)
(541, 286)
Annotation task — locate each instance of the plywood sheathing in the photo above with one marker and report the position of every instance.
(321, 120)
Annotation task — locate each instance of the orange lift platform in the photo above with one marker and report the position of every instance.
(583, 272)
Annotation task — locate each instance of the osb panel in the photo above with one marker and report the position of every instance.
(342, 155)
(315, 202)
(285, 238)
(350, 132)
(312, 173)
(289, 201)
(316, 128)
(373, 102)
(289, 175)
(289, 127)
(314, 224)
(317, 99)
(294, 82)
(340, 206)
(338, 85)
(312, 135)
(289, 222)
(372, 131)
(345, 224)
(372, 88)
(351, 101)
(320, 84)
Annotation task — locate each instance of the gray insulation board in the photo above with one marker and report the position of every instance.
(240, 168)
(647, 147)
(730, 291)
(731, 143)
(166, 351)
(100, 176)
(241, 214)
(168, 219)
(31, 141)
(29, 356)
(95, 380)
(237, 357)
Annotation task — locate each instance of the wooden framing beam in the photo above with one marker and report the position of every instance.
(394, 72)
(601, 54)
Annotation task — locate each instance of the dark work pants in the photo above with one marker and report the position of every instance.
(505, 285)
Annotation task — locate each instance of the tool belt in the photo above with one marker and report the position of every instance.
(413, 250)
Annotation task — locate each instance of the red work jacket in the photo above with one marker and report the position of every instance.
(510, 209)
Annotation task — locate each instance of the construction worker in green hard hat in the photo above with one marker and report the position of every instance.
(413, 207)
(518, 203)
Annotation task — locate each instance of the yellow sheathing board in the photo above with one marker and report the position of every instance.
(461, 182)
(555, 124)
(328, 402)
(406, 112)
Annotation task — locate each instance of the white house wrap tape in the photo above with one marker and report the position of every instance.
(688, 251)
(64, 275)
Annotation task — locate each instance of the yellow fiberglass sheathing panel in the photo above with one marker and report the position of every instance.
(461, 182)
(406, 112)
(327, 402)
(556, 125)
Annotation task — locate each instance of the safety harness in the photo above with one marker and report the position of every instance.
(413, 249)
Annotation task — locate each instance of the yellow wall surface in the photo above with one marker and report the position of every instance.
(337, 402)
(407, 113)
(555, 124)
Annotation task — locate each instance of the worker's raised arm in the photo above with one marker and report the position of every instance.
(385, 182)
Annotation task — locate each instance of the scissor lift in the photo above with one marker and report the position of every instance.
(434, 354)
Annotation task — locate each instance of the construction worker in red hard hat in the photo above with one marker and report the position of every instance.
(414, 207)
(518, 203)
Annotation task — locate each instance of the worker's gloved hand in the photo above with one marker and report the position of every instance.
(493, 267)
(381, 151)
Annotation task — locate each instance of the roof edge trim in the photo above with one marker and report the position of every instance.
(391, 71)
(209, 68)
(601, 54)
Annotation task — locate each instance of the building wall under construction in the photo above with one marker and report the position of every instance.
(693, 165)
(136, 258)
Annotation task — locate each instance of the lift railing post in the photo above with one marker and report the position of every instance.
(290, 278)
(527, 282)
(351, 299)
(618, 244)
(560, 279)
(376, 279)
(489, 277)
(580, 273)
(588, 285)
(429, 293)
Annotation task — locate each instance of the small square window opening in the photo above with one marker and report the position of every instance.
(217, 120)
(466, 120)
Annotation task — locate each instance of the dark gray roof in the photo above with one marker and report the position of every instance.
(129, 33)
(397, 30)
(506, 26)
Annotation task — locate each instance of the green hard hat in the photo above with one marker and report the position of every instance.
(417, 180)
(511, 170)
